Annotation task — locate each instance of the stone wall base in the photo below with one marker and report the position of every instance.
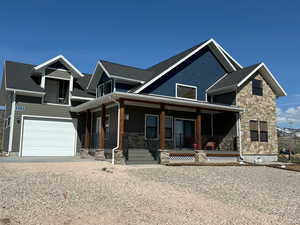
(14, 154)
(164, 157)
(260, 158)
(119, 157)
(99, 155)
(200, 156)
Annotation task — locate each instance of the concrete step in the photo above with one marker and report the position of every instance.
(140, 156)
(222, 159)
(135, 162)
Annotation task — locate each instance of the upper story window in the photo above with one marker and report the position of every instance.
(257, 87)
(57, 91)
(186, 91)
(105, 88)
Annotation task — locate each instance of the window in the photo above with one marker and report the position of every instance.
(105, 88)
(263, 131)
(57, 91)
(99, 91)
(108, 87)
(7, 122)
(151, 126)
(186, 91)
(259, 131)
(254, 130)
(107, 120)
(257, 87)
(169, 127)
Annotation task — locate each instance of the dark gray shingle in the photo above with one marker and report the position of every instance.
(232, 79)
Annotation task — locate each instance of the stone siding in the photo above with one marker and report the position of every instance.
(262, 108)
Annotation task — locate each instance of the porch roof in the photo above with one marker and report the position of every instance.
(113, 97)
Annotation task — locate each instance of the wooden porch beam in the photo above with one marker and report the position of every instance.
(162, 130)
(198, 130)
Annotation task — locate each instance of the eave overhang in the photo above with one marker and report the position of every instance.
(112, 97)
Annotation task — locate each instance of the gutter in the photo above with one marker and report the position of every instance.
(155, 99)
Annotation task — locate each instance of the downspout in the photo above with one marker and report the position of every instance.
(118, 142)
(12, 122)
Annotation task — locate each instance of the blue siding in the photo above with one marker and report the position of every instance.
(201, 70)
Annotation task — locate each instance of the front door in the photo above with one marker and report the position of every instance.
(184, 133)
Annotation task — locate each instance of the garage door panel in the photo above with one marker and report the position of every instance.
(48, 138)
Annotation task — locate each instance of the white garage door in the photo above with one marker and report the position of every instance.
(45, 137)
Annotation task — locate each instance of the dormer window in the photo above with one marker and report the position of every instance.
(186, 91)
(57, 91)
(105, 88)
(257, 87)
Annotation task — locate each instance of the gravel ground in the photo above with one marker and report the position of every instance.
(85, 193)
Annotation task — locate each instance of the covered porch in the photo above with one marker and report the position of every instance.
(130, 127)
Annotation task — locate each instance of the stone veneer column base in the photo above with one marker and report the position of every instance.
(164, 157)
(260, 158)
(99, 155)
(200, 156)
(119, 157)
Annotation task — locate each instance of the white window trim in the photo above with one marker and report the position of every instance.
(145, 127)
(189, 86)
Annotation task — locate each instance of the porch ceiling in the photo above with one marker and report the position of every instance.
(112, 97)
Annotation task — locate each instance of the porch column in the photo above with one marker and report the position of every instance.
(87, 134)
(198, 130)
(102, 128)
(162, 118)
(121, 125)
(163, 153)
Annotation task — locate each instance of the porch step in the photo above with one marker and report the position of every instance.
(223, 159)
(140, 156)
(135, 162)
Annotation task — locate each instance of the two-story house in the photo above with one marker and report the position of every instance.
(198, 104)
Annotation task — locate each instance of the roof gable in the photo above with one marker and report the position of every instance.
(62, 62)
(164, 67)
(234, 80)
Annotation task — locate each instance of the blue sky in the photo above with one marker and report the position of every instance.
(141, 33)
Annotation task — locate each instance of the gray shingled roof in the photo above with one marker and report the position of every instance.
(163, 65)
(231, 80)
(20, 76)
(127, 71)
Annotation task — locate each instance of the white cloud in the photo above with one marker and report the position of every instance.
(290, 117)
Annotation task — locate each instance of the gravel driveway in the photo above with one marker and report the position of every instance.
(85, 193)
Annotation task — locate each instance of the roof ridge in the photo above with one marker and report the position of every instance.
(134, 67)
(179, 53)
